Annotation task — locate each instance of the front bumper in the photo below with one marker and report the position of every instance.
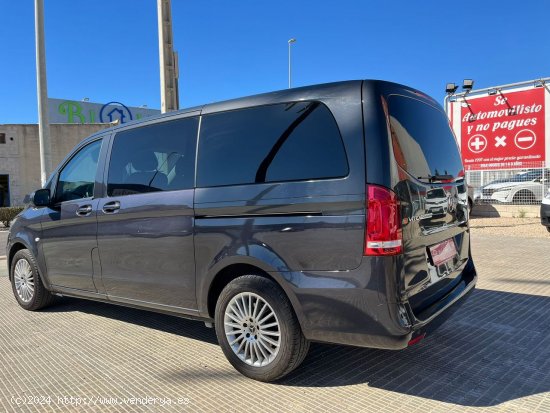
(502, 196)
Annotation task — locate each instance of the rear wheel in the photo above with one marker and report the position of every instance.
(26, 283)
(258, 330)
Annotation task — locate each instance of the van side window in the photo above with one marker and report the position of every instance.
(77, 178)
(159, 157)
(275, 143)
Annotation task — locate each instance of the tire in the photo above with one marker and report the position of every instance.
(250, 343)
(27, 284)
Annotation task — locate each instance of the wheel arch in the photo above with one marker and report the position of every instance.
(234, 270)
(16, 246)
(524, 192)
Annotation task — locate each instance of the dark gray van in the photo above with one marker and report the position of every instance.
(328, 213)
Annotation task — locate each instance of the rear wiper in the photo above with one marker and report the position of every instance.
(437, 177)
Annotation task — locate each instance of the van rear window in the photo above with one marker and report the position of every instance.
(423, 143)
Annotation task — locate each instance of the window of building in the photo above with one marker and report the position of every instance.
(2, 138)
(275, 143)
(77, 178)
(4, 190)
(159, 157)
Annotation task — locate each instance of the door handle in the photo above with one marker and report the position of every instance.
(111, 207)
(84, 210)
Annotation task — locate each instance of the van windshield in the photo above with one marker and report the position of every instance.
(422, 140)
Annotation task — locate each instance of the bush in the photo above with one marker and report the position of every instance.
(7, 214)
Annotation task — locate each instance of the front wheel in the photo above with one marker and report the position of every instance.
(26, 283)
(258, 330)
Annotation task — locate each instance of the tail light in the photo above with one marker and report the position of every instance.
(383, 235)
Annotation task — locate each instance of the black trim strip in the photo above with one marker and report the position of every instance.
(274, 215)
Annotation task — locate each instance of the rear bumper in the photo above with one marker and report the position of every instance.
(432, 317)
(364, 318)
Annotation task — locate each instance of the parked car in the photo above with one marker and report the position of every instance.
(281, 219)
(436, 201)
(523, 188)
(545, 211)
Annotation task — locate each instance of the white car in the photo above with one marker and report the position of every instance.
(524, 188)
(436, 201)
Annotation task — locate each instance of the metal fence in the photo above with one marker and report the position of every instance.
(525, 186)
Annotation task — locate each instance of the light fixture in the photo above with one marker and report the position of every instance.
(451, 88)
(467, 85)
(539, 83)
(492, 92)
(85, 99)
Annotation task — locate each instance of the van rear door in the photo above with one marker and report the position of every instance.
(427, 175)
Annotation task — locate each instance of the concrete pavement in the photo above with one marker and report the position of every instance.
(493, 354)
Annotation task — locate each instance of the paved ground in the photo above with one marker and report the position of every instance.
(518, 227)
(3, 239)
(492, 355)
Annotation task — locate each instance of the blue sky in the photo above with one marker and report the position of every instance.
(108, 49)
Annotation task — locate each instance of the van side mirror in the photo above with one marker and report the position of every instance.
(41, 198)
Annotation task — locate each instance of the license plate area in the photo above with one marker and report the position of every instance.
(444, 257)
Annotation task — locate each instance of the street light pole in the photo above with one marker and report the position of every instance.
(42, 92)
(169, 92)
(293, 40)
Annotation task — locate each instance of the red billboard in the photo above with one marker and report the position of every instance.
(503, 131)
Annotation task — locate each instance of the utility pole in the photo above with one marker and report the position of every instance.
(42, 92)
(169, 93)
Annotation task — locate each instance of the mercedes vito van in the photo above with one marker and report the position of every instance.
(283, 218)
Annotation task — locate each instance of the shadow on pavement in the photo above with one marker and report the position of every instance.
(171, 324)
(496, 348)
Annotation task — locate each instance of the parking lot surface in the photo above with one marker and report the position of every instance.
(494, 355)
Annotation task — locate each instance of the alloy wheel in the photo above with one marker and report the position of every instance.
(252, 329)
(24, 280)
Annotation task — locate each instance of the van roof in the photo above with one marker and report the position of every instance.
(312, 92)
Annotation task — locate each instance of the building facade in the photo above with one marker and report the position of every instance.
(20, 156)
